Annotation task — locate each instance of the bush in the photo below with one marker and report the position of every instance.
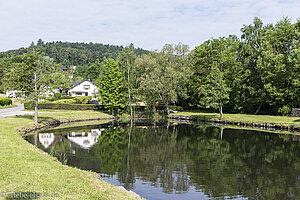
(29, 105)
(71, 100)
(4, 101)
(83, 100)
(57, 96)
(65, 101)
(285, 110)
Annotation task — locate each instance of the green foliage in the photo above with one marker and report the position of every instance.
(112, 87)
(4, 101)
(65, 101)
(83, 100)
(90, 71)
(163, 75)
(1, 75)
(270, 75)
(285, 111)
(73, 100)
(57, 96)
(69, 53)
(215, 60)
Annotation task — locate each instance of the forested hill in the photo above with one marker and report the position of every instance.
(74, 53)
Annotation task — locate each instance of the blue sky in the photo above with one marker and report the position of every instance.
(148, 24)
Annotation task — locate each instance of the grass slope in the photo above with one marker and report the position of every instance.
(247, 118)
(23, 168)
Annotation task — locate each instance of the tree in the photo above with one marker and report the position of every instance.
(163, 75)
(126, 62)
(270, 66)
(90, 71)
(253, 86)
(112, 86)
(214, 61)
(215, 90)
(32, 44)
(31, 75)
(279, 67)
(40, 42)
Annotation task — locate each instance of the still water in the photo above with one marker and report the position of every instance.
(181, 161)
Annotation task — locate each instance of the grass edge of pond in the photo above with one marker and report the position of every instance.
(24, 168)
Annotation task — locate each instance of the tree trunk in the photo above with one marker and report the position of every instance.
(221, 108)
(36, 112)
(129, 140)
(154, 110)
(129, 95)
(35, 139)
(258, 109)
(168, 111)
(221, 133)
(36, 100)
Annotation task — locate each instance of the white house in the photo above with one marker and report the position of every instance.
(15, 94)
(83, 88)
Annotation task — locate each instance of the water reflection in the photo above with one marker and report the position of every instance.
(177, 161)
(46, 139)
(85, 140)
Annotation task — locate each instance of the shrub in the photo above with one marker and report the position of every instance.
(83, 100)
(285, 110)
(65, 101)
(57, 96)
(4, 101)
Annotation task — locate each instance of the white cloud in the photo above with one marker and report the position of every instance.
(146, 23)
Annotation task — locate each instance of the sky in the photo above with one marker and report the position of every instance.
(148, 24)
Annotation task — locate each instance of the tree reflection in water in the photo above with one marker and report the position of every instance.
(218, 162)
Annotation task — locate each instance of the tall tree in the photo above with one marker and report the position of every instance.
(126, 62)
(214, 61)
(112, 86)
(30, 74)
(253, 86)
(278, 65)
(163, 78)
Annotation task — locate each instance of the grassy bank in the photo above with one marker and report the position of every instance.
(247, 118)
(23, 168)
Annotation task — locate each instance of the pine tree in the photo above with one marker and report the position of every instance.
(112, 87)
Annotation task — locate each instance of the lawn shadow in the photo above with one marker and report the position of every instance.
(297, 120)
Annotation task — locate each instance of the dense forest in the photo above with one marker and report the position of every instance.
(258, 73)
(68, 53)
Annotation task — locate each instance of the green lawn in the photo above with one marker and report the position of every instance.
(247, 118)
(23, 168)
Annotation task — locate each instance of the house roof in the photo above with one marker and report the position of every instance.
(75, 83)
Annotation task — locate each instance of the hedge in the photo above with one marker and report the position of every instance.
(4, 101)
(29, 105)
(64, 101)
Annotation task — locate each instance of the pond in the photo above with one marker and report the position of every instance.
(163, 160)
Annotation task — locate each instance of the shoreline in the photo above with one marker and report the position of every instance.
(25, 168)
(262, 125)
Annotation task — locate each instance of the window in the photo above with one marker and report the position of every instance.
(86, 87)
(78, 93)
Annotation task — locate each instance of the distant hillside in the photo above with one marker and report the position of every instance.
(69, 53)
